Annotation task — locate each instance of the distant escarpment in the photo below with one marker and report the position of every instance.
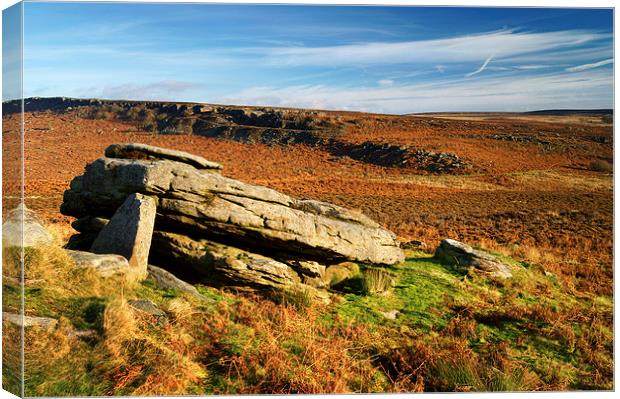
(252, 125)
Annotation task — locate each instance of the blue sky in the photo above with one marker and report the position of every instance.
(380, 59)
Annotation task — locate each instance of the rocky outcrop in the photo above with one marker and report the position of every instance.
(391, 155)
(465, 257)
(212, 205)
(252, 125)
(129, 233)
(223, 230)
(23, 223)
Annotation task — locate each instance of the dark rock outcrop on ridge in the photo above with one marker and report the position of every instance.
(250, 125)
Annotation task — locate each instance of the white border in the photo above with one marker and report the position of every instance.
(480, 3)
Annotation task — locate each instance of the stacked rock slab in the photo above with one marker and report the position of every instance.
(220, 229)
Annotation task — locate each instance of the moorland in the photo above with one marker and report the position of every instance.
(534, 189)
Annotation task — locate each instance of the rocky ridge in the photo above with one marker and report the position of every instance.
(252, 125)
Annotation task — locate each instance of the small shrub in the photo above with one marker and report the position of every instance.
(376, 281)
(601, 166)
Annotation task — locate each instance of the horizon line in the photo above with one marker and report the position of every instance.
(311, 109)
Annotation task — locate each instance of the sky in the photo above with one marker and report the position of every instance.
(366, 58)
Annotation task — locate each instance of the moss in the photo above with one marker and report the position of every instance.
(360, 310)
(520, 314)
(421, 296)
(211, 293)
(425, 288)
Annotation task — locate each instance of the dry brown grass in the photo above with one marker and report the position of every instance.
(50, 267)
(149, 361)
(264, 347)
(447, 363)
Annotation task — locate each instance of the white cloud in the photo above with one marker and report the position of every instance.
(585, 67)
(531, 67)
(50, 69)
(471, 48)
(490, 94)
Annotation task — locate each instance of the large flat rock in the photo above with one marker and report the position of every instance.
(144, 151)
(209, 205)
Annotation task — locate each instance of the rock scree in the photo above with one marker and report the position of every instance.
(218, 230)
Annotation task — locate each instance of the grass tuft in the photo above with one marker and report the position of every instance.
(601, 166)
(377, 281)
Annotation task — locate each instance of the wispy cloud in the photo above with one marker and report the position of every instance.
(585, 67)
(531, 67)
(484, 65)
(470, 48)
(385, 82)
(489, 94)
